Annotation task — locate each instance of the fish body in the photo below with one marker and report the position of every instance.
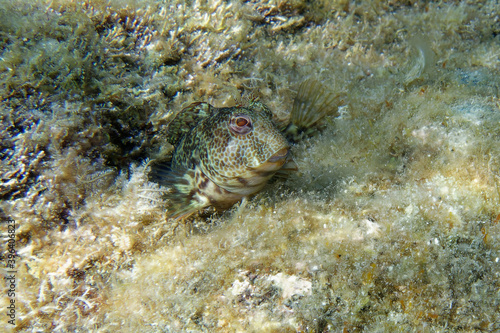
(225, 154)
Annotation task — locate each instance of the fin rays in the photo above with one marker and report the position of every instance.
(181, 196)
(312, 103)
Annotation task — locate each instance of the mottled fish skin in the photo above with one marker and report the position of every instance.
(225, 154)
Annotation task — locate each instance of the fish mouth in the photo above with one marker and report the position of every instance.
(279, 156)
(273, 163)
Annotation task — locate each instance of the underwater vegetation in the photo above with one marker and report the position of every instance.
(391, 222)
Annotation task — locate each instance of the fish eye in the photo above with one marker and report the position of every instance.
(240, 124)
(241, 121)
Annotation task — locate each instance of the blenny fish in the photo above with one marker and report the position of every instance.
(223, 155)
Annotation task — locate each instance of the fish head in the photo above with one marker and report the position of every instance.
(244, 148)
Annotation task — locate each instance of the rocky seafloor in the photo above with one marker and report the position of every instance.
(392, 223)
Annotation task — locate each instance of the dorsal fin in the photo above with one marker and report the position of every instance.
(186, 119)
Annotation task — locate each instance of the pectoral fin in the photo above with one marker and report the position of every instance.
(313, 102)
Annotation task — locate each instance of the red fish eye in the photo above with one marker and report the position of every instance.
(240, 124)
(240, 121)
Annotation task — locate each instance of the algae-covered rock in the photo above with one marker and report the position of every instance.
(391, 223)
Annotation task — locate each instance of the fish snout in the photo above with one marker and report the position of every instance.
(279, 156)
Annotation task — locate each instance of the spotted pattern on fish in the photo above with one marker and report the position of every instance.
(225, 154)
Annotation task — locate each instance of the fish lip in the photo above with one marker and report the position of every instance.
(280, 155)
